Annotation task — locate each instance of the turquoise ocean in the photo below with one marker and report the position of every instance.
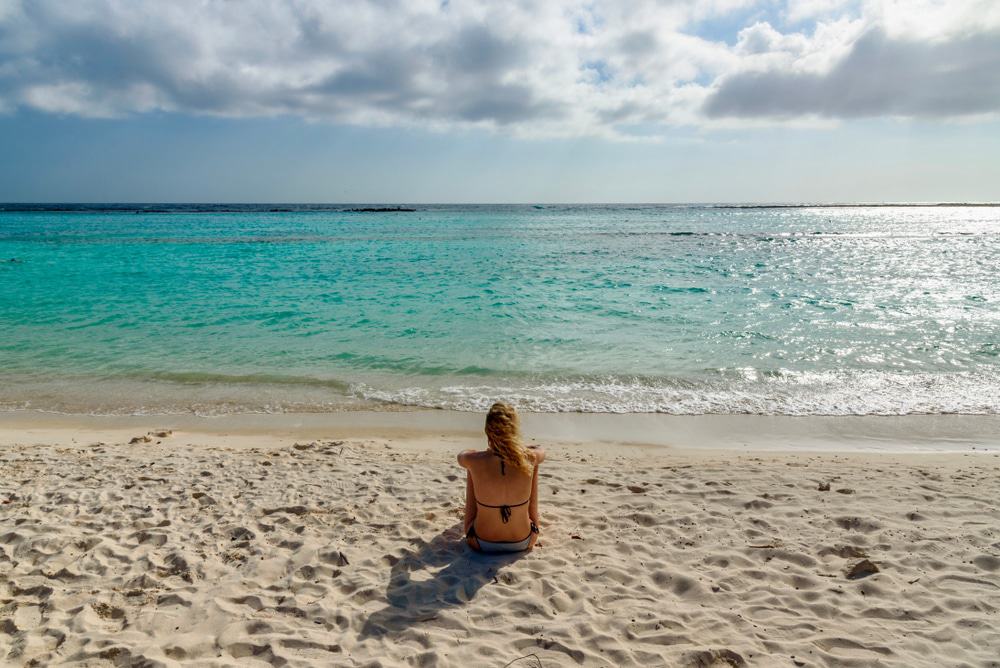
(687, 309)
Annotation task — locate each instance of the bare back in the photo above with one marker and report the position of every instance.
(501, 491)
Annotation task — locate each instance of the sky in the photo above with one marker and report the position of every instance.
(512, 101)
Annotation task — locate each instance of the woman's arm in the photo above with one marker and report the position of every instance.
(533, 506)
(470, 502)
(470, 491)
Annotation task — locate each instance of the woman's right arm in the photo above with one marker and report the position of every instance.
(470, 503)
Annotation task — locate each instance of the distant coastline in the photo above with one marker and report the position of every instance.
(380, 207)
(195, 207)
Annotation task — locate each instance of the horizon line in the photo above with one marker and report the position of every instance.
(718, 204)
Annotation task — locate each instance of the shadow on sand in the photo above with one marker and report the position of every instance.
(448, 575)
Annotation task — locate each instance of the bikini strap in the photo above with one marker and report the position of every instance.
(504, 509)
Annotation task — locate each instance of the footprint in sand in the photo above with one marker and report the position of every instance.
(987, 562)
(857, 524)
(844, 552)
(843, 647)
(714, 658)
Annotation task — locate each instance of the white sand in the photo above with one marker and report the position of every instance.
(242, 549)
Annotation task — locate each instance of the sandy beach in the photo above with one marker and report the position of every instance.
(279, 540)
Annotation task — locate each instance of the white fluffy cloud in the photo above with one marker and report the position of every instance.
(615, 68)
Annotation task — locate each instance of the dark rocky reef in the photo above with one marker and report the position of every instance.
(386, 209)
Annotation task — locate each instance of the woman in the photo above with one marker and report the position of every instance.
(501, 488)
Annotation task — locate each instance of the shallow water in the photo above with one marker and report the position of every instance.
(678, 309)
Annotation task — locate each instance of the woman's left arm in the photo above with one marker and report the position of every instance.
(533, 506)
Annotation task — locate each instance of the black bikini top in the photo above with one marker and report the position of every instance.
(504, 509)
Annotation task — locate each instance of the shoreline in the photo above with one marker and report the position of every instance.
(747, 433)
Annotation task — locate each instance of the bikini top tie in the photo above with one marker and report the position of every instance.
(504, 509)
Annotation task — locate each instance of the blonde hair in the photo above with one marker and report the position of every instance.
(503, 433)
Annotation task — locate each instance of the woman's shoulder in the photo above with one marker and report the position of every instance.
(537, 453)
(468, 456)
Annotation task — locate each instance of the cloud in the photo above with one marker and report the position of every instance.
(800, 10)
(558, 68)
(762, 38)
(880, 76)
